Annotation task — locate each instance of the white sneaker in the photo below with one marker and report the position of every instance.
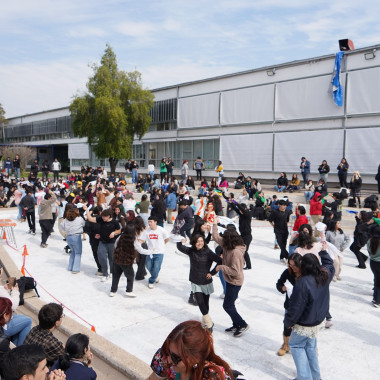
(99, 273)
(104, 278)
(157, 280)
(150, 286)
(237, 300)
(222, 295)
(130, 294)
(328, 323)
(112, 294)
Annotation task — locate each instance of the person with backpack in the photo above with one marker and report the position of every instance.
(199, 166)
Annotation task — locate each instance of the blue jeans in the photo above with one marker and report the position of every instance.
(19, 216)
(232, 293)
(146, 186)
(134, 175)
(75, 243)
(308, 195)
(18, 328)
(17, 172)
(292, 248)
(154, 266)
(304, 352)
(223, 281)
(280, 189)
(105, 250)
(151, 174)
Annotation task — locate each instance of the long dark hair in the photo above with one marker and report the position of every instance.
(374, 244)
(125, 246)
(332, 226)
(139, 224)
(310, 266)
(297, 258)
(76, 347)
(196, 350)
(304, 240)
(231, 239)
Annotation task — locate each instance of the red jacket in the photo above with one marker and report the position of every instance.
(316, 205)
(302, 219)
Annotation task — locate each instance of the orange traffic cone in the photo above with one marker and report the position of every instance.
(25, 253)
(4, 235)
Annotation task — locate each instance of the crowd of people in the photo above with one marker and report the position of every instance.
(124, 231)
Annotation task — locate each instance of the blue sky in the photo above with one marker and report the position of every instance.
(48, 45)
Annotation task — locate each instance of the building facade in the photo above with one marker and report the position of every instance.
(260, 122)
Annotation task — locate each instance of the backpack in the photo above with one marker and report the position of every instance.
(351, 202)
(24, 284)
(238, 185)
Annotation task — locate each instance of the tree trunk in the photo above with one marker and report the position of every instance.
(113, 163)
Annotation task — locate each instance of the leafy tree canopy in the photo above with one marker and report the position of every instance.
(112, 111)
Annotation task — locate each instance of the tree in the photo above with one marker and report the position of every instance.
(112, 111)
(3, 121)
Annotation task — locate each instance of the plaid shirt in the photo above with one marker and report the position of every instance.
(45, 338)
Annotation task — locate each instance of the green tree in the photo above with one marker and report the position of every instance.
(3, 121)
(112, 111)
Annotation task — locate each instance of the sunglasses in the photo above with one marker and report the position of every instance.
(175, 358)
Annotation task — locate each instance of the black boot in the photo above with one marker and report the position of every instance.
(192, 300)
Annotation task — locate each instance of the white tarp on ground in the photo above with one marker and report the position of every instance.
(140, 325)
(248, 105)
(363, 91)
(198, 111)
(306, 98)
(247, 152)
(316, 146)
(362, 149)
(79, 151)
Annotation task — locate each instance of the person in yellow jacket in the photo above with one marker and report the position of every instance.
(219, 170)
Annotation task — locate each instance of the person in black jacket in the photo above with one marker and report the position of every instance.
(28, 204)
(377, 178)
(245, 217)
(361, 237)
(324, 170)
(308, 307)
(342, 172)
(335, 206)
(201, 259)
(289, 275)
(187, 214)
(279, 221)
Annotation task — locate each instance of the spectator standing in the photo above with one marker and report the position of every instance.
(342, 172)
(356, 186)
(134, 167)
(163, 169)
(45, 170)
(34, 168)
(377, 178)
(184, 171)
(199, 166)
(151, 170)
(8, 165)
(305, 169)
(16, 166)
(324, 170)
(220, 171)
(169, 167)
(56, 168)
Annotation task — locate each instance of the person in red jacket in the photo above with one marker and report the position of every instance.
(301, 217)
(316, 208)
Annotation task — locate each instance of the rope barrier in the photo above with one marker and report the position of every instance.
(24, 270)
